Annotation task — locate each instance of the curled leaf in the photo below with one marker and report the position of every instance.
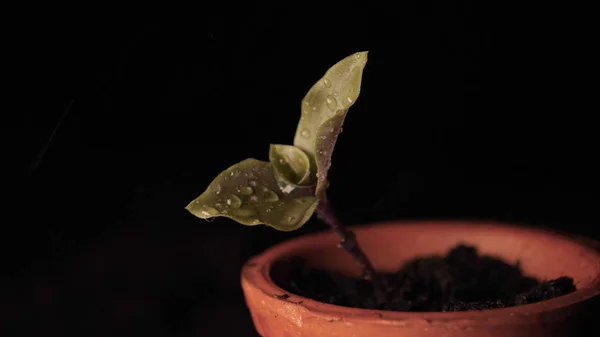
(248, 192)
(291, 164)
(323, 111)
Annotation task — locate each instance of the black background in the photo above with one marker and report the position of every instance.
(465, 112)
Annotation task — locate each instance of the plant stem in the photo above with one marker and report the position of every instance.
(348, 241)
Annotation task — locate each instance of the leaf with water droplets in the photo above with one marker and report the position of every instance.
(324, 144)
(291, 164)
(249, 193)
(324, 109)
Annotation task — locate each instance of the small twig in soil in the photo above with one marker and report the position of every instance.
(40, 156)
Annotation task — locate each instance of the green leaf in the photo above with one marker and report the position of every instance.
(248, 192)
(324, 109)
(291, 164)
(325, 142)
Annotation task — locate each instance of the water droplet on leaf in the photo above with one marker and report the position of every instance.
(349, 99)
(246, 190)
(331, 102)
(209, 211)
(271, 196)
(326, 82)
(234, 201)
(305, 133)
(287, 189)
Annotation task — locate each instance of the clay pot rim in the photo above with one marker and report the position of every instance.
(256, 273)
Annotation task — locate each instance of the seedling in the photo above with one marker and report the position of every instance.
(286, 191)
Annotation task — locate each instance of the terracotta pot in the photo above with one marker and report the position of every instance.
(543, 254)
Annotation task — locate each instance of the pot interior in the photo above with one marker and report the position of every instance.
(541, 254)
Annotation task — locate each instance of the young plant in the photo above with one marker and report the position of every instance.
(284, 192)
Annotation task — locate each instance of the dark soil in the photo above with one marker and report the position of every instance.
(460, 281)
